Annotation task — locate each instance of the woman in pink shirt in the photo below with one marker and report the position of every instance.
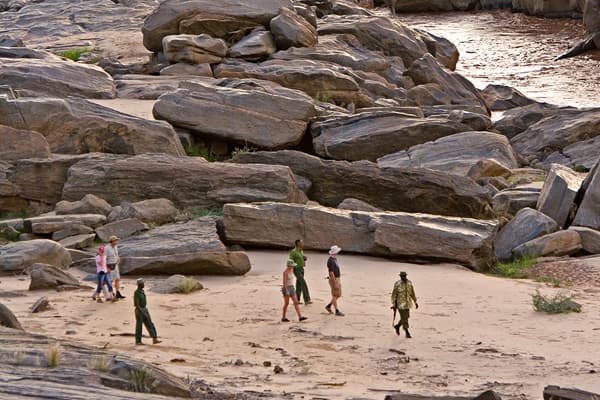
(102, 276)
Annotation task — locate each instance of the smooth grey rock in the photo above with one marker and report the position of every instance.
(517, 120)
(393, 189)
(356, 205)
(588, 212)
(411, 236)
(590, 239)
(78, 241)
(18, 144)
(257, 45)
(148, 87)
(53, 223)
(44, 276)
(199, 184)
(121, 229)
(89, 204)
(71, 230)
(8, 319)
(20, 256)
(510, 201)
(152, 211)
(291, 30)
(557, 244)
(173, 285)
(73, 126)
(502, 97)
(527, 225)
(41, 304)
(557, 199)
(248, 112)
(194, 49)
(455, 154)
(372, 134)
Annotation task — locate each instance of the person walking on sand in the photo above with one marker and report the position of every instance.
(335, 282)
(112, 262)
(297, 255)
(289, 291)
(142, 315)
(102, 276)
(403, 297)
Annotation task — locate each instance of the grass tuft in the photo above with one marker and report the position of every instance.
(74, 54)
(516, 269)
(54, 355)
(141, 380)
(197, 151)
(101, 364)
(558, 304)
(188, 285)
(242, 150)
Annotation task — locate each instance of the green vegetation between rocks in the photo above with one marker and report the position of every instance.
(74, 54)
(53, 356)
(197, 151)
(560, 303)
(242, 150)
(141, 381)
(517, 269)
(100, 364)
(581, 168)
(204, 212)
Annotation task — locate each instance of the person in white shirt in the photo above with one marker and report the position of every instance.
(112, 262)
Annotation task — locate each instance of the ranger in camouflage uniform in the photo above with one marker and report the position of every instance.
(403, 297)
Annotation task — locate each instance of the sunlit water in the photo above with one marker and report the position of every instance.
(518, 50)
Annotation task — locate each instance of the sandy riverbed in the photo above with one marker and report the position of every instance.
(471, 333)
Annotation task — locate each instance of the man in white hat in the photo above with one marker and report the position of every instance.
(112, 262)
(335, 282)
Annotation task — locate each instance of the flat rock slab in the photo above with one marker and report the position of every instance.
(557, 244)
(71, 230)
(373, 134)
(510, 201)
(455, 154)
(410, 236)
(190, 248)
(53, 223)
(527, 225)
(391, 189)
(74, 126)
(151, 211)
(78, 241)
(248, 112)
(199, 184)
(20, 256)
(121, 229)
(590, 239)
(502, 97)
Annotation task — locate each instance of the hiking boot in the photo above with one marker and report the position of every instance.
(308, 302)
(408, 336)
(139, 343)
(397, 329)
(339, 313)
(119, 295)
(285, 319)
(328, 308)
(156, 341)
(302, 319)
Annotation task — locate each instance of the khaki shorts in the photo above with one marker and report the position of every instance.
(336, 292)
(114, 273)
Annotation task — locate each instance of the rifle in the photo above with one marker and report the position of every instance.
(395, 308)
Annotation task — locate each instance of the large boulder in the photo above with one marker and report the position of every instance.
(509, 201)
(249, 112)
(392, 189)
(71, 230)
(198, 183)
(194, 49)
(18, 144)
(555, 138)
(173, 284)
(82, 241)
(257, 45)
(20, 256)
(502, 97)
(44, 276)
(588, 213)
(89, 204)
(557, 198)
(190, 248)
(411, 236)
(152, 211)
(291, 30)
(47, 224)
(561, 243)
(8, 319)
(151, 87)
(527, 225)
(121, 229)
(369, 135)
(391, 37)
(517, 120)
(455, 154)
(590, 239)
(74, 126)
(49, 75)
(218, 19)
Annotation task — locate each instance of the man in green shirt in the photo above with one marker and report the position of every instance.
(142, 315)
(297, 255)
(403, 297)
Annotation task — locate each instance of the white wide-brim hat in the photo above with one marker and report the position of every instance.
(334, 250)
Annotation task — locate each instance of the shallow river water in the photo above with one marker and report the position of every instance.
(518, 50)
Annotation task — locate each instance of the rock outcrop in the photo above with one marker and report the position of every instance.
(561, 243)
(152, 211)
(8, 319)
(590, 239)
(247, 112)
(186, 181)
(527, 225)
(121, 229)
(18, 144)
(502, 97)
(45, 276)
(47, 224)
(588, 212)
(194, 49)
(257, 45)
(291, 30)
(410, 236)
(455, 154)
(20, 256)
(89, 204)
(557, 199)
(392, 189)
(77, 126)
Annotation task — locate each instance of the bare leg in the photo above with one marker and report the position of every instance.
(295, 300)
(286, 301)
(117, 285)
(334, 302)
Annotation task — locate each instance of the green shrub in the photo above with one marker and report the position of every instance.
(141, 381)
(188, 285)
(74, 54)
(323, 98)
(557, 304)
(196, 151)
(516, 269)
(53, 355)
(581, 168)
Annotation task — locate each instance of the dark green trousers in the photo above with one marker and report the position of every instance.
(404, 315)
(142, 316)
(301, 286)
